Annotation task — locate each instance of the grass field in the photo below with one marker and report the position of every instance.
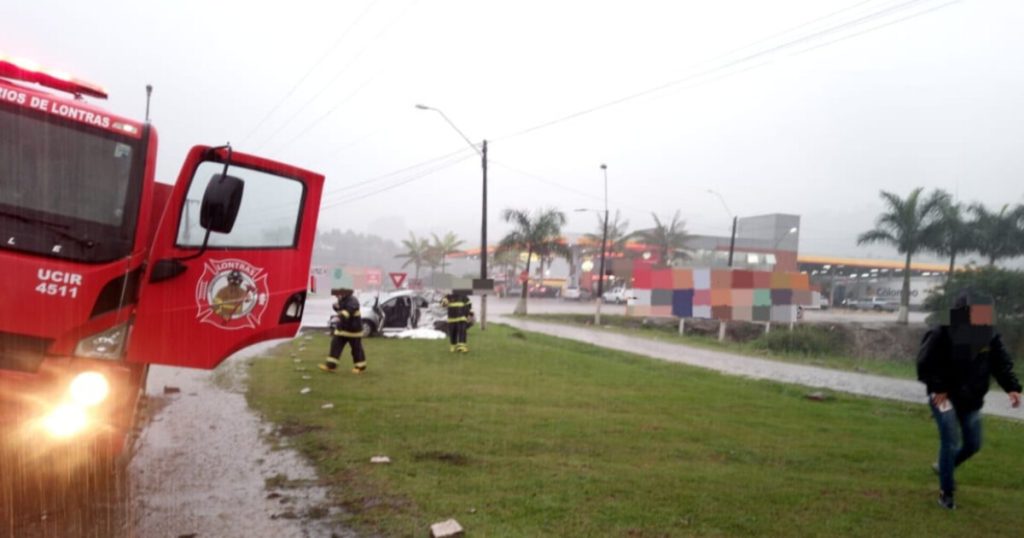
(631, 326)
(535, 436)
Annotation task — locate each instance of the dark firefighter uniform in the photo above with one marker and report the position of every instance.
(459, 310)
(347, 325)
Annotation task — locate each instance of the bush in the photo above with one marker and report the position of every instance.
(1006, 287)
(807, 340)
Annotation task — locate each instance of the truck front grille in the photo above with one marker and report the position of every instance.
(22, 353)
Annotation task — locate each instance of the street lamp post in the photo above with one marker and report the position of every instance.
(604, 247)
(732, 238)
(483, 218)
(604, 244)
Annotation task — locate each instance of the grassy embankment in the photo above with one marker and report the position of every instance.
(807, 345)
(535, 436)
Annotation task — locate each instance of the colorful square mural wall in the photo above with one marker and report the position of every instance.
(722, 294)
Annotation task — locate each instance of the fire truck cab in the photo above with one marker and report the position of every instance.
(104, 271)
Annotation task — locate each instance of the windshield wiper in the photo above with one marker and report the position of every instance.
(58, 229)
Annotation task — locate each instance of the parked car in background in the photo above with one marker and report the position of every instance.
(618, 295)
(575, 293)
(541, 290)
(877, 304)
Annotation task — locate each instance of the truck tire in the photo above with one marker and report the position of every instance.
(368, 329)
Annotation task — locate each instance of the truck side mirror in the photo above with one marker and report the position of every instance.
(221, 201)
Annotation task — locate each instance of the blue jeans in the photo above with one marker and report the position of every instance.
(959, 439)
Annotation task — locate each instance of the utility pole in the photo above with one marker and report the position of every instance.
(483, 220)
(732, 241)
(483, 241)
(604, 244)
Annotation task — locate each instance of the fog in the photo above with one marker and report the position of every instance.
(805, 107)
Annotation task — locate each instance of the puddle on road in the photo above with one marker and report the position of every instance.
(203, 467)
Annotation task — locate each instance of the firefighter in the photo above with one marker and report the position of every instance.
(459, 310)
(347, 325)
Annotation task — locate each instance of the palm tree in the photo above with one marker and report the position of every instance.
(618, 235)
(417, 252)
(670, 239)
(955, 234)
(539, 234)
(997, 234)
(908, 224)
(444, 246)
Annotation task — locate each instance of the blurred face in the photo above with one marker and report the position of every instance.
(971, 329)
(982, 314)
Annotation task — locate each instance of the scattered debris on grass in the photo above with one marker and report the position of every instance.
(327, 406)
(305, 390)
(446, 529)
(380, 459)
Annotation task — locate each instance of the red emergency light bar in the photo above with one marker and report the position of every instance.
(31, 72)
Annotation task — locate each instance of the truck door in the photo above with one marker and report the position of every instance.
(198, 306)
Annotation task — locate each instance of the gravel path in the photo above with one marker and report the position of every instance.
(204, 466)
(996, 403)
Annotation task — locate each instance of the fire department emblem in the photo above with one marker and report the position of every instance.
(231, 294)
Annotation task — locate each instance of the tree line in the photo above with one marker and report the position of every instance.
(936, 222)
(430, 252)
(539, 234)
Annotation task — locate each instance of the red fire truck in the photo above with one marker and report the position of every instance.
(104, 271)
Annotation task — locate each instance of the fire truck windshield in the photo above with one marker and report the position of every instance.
(66, 190)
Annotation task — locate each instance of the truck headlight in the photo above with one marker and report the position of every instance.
(108, 344)
(89, 388)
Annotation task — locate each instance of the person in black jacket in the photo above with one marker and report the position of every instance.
(347, 325)
(459, 310)
(955, 363)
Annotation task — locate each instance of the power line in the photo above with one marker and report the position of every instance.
(311, 69)
(387, 27)
(346, 99)
(746, 59)
(396, 172)
(418, 176)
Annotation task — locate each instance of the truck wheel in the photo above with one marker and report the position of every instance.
(367, 329)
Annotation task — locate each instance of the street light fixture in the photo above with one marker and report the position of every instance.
(604, 244)
(732, 239)
(482, 152)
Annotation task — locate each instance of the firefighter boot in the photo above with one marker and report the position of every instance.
(359, 367)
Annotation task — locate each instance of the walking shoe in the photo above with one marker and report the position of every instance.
(946, 500)
(326, 368)
(464, 349)
(358, 368)
(451, 349)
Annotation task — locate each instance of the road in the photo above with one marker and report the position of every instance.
(318, 310)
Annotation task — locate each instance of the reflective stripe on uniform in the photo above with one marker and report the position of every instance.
(345, 313)
(332, 360)
(456, 305)
(453, 320)
(349, 334)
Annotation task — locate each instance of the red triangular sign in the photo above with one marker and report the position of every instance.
(397, 279)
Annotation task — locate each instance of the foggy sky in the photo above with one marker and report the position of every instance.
(931, 101)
